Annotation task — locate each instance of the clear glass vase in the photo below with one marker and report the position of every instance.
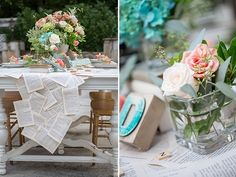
(203, 124)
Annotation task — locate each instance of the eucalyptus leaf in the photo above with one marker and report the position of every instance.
(176, 26)
(197, 40)
(226, 89)
(127, 69)
(187, 88)
(156, 80)
(221, 73)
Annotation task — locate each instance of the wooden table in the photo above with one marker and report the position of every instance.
(94, 82)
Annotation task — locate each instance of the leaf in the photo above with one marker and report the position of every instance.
(215, 114)
(204, 42)
(226, 89)
(232, 51)
(155, 79)
(127, 69)
(222, 51)
(178, 105)
(197, 40)
(221, 73)
(187, 88)
(200, 127)
(187, 131)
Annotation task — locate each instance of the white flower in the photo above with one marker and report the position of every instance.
(74, 20)
(62, 24)
(54, 39)
(80, 30)
(177, 76)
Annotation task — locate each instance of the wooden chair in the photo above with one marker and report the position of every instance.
(11, 122)
(102, 104)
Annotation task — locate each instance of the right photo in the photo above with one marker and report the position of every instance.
(177, 88)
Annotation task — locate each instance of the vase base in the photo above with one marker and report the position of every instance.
(206, 144)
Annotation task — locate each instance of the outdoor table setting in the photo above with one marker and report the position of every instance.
(51, 80)
(42, 91)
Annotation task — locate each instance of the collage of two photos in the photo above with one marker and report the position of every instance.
(117, 88)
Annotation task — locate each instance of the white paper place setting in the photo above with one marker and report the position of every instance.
(11, 65)
(112, 64)
(97, 72)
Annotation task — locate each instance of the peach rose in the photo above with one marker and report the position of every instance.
(40, 22)
(202, 60)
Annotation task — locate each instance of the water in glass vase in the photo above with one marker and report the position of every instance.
(203, 124)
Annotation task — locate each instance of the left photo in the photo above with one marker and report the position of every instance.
(58, 88)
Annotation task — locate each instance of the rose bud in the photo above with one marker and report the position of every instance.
(60, 62)
(76, 43)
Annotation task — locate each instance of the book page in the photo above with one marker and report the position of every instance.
(46, 141)
(37, 101)
(181, 155)
(57, 94)
(60, 78)
(49, 113)
(23, 112)
(50, 99)
(20, 83)
(59, 128)
(70, 100)
(49, 84)
(39, 119)
(30, 131)
(223, 165)
(33, 82)
(75, 81)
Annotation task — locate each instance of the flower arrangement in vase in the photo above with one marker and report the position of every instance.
(56, 33)
(199, 87)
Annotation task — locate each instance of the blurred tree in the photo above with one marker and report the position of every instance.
(10, 8)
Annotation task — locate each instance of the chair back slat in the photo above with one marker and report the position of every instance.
(101, 95)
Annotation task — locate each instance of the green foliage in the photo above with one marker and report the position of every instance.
(99, 22)
(221, 73)
(10, 8)
(224, 54)
(202, 126)
(99, 19)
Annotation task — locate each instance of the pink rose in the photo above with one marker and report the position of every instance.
(40, 22)
(66, 16)
(76, 43)
(202, 60)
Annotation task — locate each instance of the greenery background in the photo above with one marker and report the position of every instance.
(98, 17)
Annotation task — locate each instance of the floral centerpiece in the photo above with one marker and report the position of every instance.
(199, 87)
(56, 32)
